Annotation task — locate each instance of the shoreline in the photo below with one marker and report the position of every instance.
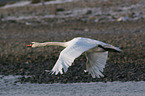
(77, 89)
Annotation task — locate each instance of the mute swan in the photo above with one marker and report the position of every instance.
(96, 54)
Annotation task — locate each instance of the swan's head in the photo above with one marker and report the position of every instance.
(33, 44)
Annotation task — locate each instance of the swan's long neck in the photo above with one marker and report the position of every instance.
(64, 44)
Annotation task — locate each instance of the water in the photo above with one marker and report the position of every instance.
(9, 88)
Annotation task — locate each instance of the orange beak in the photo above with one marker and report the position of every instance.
(29, 45)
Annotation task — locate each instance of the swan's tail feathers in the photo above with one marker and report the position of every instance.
(95, 63)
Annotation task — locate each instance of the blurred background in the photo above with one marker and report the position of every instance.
(120, 23)
(117, 22)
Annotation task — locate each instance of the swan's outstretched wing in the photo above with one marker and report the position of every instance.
(68, 55)
(96, 62)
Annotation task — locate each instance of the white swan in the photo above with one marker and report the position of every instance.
(96, 54)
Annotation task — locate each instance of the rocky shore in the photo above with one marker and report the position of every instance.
(61, 23)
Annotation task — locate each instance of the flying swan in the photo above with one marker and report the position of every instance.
(96, 53)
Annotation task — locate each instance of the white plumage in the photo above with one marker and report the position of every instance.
(96, 54)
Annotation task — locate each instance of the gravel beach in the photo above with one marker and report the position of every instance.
(120, 23)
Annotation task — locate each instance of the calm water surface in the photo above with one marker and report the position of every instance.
(9, 88)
